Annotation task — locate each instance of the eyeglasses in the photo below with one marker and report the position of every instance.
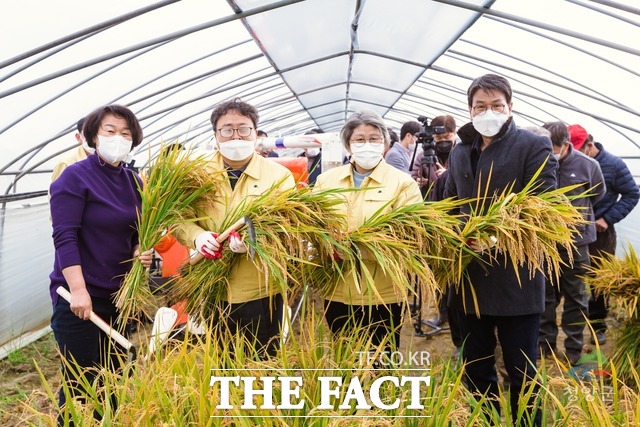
(496, 108)
(243, 131)
(375, 140)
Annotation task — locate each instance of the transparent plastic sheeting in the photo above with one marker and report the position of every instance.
(26, 260)
(25, 305)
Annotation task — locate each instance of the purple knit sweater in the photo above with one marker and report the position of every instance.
(93, 209)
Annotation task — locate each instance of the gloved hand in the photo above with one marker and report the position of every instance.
(236, 244)
(208, 246)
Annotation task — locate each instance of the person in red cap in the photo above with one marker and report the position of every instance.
(578, 136)
(574, 169)
(620, 198)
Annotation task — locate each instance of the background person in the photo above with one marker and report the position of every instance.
(574, 168)
(76, 155)
(250, 308)
(400, 153)
(620, 198)
(443, 147)
(365, 136)
(94, 206)
(265, 153)
(493, 155)
(428, 176)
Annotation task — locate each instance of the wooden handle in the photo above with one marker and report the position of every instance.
(99, 322)
(221, 238)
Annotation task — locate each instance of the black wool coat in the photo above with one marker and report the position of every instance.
(512, 158)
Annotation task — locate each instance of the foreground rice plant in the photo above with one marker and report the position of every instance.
(524, 228)
(175, 387)
(405, 242)
(174, 186)
(619, 280)
(290, 225)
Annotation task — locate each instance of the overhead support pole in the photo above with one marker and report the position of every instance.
(542, 25)
(157, 40)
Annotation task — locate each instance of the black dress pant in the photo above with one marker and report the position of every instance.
(380, 321)
(82, 342)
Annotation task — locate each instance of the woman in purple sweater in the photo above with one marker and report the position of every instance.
(94, 208)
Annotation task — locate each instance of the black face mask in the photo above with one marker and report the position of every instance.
(443, 148)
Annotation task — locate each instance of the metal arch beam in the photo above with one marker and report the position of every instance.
(606, 121)
(561, 103)
(199, 76)
(606, 12)
(618, 6)
(47, 55)
(38, 148)
(94, 29)
(551, 82)
(168, 37)
(41, 145)
(80, 83)
(544, 69)
(174, 70)
(537, 33)
(542, 25)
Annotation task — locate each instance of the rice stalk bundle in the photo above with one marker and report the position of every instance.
(617, 278)
(292, 228)
(626, 355)
(405, 242)
(176, 184)
(527, 228)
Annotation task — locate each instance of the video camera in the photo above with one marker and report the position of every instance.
(425, 137)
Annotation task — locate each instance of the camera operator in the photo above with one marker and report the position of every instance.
(434, 142)
(444, 142)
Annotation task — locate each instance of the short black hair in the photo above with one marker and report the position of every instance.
(261, 133)
(235, 104)
(558, 131)
(93, 121)
(411, 127)
(79, 125)
(490, 83)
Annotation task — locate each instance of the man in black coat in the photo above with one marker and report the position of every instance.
(493, 155)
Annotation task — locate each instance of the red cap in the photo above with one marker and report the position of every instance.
(578, 136)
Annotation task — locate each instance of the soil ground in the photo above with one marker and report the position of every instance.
(20, 381)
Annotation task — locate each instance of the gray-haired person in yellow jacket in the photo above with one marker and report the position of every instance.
(365, 136)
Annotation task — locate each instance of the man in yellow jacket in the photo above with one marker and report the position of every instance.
(366, 137)
(251, 307)
(79, 153)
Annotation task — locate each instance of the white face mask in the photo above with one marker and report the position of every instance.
(412, 147)
(237, 149)
(312, 152)
(114, 149)
(87, 148)
(559, 155)
(367, 156)
(489, 123)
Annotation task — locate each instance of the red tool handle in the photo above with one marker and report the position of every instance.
(221, 238)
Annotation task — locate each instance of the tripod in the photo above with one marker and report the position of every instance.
(415, 308)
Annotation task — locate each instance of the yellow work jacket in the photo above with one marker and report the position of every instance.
(74, 156)
(245, 281)
(385, 184)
